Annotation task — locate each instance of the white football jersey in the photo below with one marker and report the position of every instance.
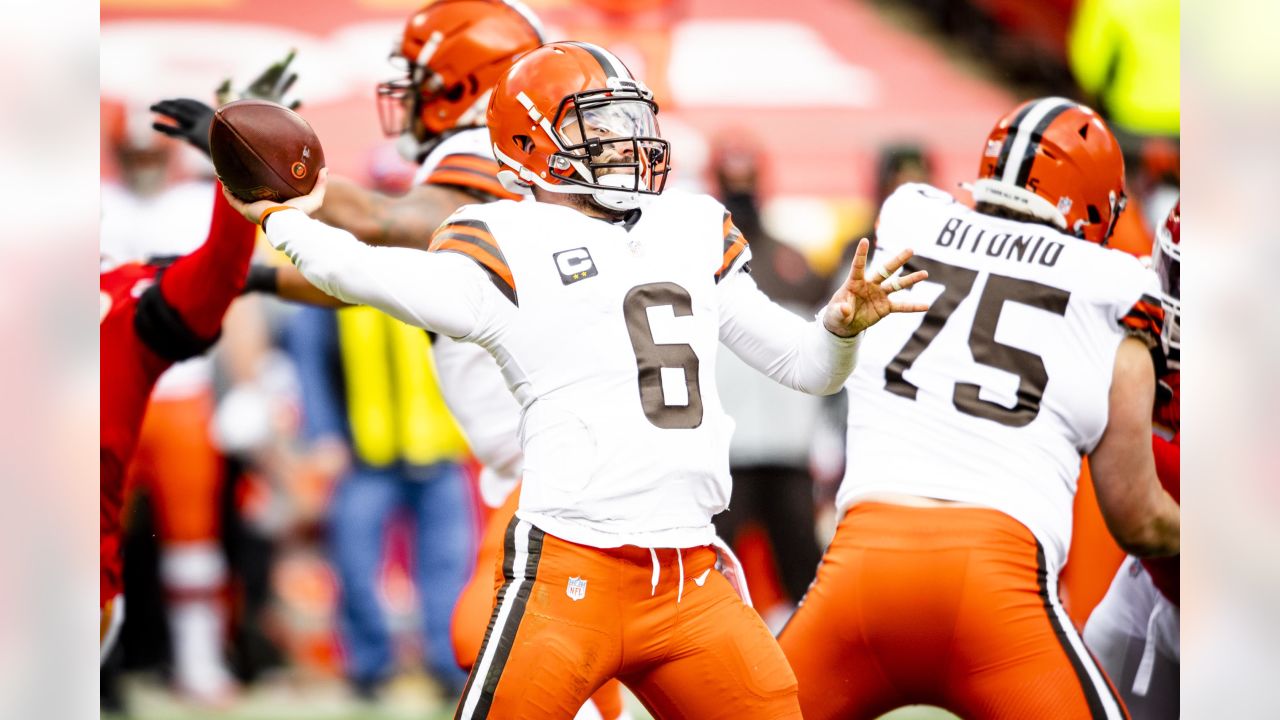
(993, 395)
(607, 335)
(476, 394)
(610, 344)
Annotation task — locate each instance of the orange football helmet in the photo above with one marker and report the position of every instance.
(1056, 160)
(570, 118)
(1166, 260)
(453, 52)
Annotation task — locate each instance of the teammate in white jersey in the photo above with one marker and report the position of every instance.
(605, 313)
(940, 585)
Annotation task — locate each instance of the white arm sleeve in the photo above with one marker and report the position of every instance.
(803, 356)
(443, 292)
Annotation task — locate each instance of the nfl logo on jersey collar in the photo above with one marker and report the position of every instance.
(576, 589)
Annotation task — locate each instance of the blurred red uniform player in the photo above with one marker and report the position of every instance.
(151, 316)
(1134, 631)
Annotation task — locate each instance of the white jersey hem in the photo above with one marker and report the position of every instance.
(1055, 549)
(594, 537)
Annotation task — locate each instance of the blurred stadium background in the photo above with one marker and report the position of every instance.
(832, 102)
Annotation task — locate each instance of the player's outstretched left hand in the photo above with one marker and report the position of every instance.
(863, 301)
(309, 203)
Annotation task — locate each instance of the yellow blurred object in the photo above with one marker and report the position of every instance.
(852, 215)
(1125, 53)
(393, 396)
(817, 227)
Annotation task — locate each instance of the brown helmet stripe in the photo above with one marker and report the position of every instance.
(611, 65)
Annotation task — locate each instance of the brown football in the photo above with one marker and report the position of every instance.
(264, 151)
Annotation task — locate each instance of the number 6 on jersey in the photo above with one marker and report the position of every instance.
(652, 357)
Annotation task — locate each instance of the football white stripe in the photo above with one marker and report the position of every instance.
(521, 571)
(1022, 135)
(1077, 644)
(619, 70)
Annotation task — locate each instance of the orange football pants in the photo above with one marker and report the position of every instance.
(178, 464)
(948, 606)
(475, 606)
(569, 617)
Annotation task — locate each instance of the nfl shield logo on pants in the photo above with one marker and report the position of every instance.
(577, 589)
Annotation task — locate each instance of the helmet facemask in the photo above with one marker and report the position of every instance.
(1117, 205)
(400, 103)
(403, 100)
(610, 146)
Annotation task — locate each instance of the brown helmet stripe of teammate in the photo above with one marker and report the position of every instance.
(734, 244)
(473, 239)
(522, 552)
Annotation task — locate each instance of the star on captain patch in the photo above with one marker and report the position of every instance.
(576, 589)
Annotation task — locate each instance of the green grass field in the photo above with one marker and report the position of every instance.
(291, 699)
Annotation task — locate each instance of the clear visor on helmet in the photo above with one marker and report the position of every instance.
(627, 118)
(617, 138)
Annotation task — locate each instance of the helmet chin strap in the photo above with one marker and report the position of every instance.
(617, 199)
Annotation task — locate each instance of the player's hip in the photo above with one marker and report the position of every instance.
(971, 571)
(944, 603)
(617, 592)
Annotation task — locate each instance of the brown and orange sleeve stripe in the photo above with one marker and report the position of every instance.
(734, 245)
(472, 172)
(473, 239)
(1145, 320)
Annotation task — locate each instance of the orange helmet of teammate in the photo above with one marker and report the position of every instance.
(1056, 160)
(1166, 260)
(453, 51)
(570, 118)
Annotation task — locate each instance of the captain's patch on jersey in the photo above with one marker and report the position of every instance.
(575, 265)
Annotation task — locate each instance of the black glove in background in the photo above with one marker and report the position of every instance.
(191, 121)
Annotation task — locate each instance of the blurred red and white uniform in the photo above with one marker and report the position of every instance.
(175, 463)
(153, 315)
(146, 216)
(1134, 631)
